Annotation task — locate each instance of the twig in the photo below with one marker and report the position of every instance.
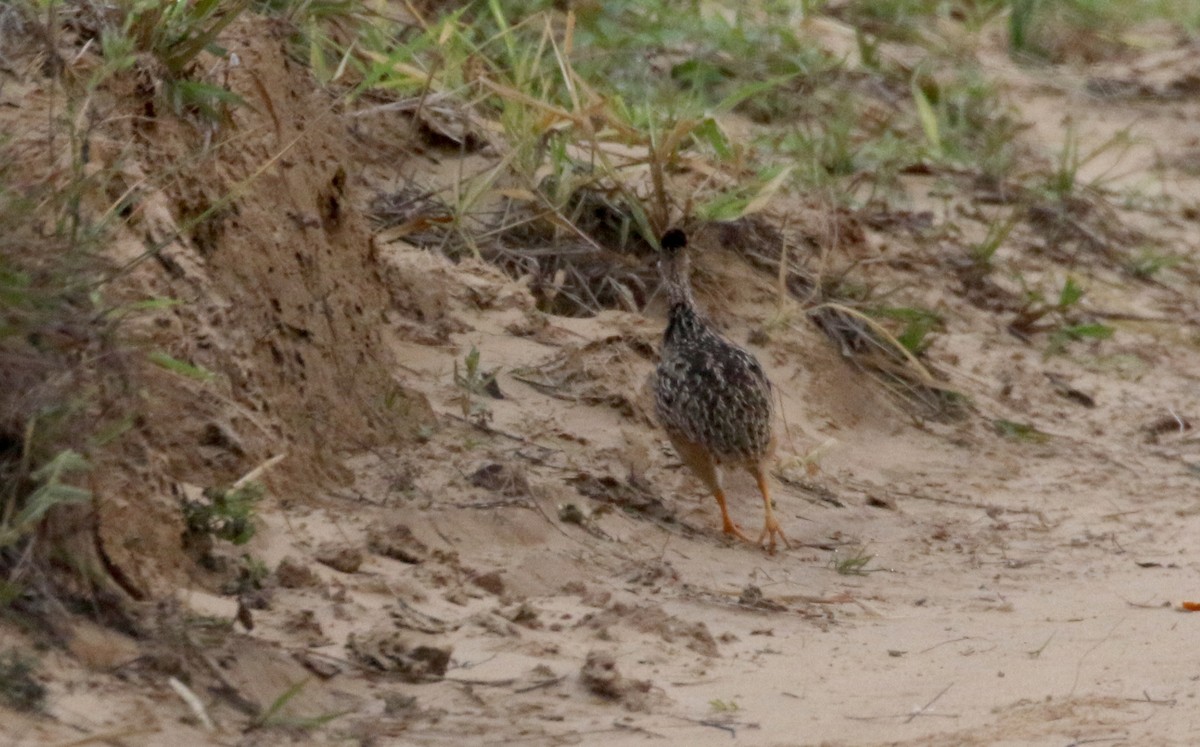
(1146, 605)
(1127, 316)
(497, 432)
(1147, 699)
(227, 689)
(193, 702)
(944, 643)
(483, 683)
(257, 472)
(717, 725)
(921, 711)
(110, 737)
(1038, 651)
(1079, 664)
(551, 682)
(638, 730)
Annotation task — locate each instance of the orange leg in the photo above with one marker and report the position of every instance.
(698, 459)
(771, 527)
(728, 526)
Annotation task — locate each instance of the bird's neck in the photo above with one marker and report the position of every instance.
(679, 285)
(684, 322)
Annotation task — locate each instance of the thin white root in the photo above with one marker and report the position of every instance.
(193, 702)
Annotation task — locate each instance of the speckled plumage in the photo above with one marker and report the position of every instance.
(712, 396)
(712, 392)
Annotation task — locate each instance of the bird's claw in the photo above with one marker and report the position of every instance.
(735, 531)
(770, 530)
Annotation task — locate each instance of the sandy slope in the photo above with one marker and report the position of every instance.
(1018, 594)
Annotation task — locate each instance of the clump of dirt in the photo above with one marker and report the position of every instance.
(600, 676)
(394, 653)
(398, 543)
(629, 495)
(652, 619)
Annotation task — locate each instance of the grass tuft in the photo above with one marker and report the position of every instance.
(19, 688)
(853, 562)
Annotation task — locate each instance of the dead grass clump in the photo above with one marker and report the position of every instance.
(1078, 229)
(576, 278)
(579, 260)
(419, 217)
(891, 359)
(887, 343)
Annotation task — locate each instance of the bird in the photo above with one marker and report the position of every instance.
(712, 397)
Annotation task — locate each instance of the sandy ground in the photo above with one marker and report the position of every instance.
(559, 578)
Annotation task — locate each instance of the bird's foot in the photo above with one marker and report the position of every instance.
(771, 530)
(735, 530)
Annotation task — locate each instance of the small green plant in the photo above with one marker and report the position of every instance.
(918, 324)
(273, 716)
(1060, 337)
(174, 34)
(1020, 431)
(19, 689)
(853, 562)
(1059, 318)
(183, 368)
(983, 253)
(964, 121)
(1148, 263)
(928, 119)
(1020, 21)
(22, 516)
(1063, 180)
(476, 383)
(177, 32)
(734, 204)
(1087, 30)
(717, 705)
(224, 513)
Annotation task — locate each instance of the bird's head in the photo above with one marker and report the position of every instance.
(673, 265)
(673, 242)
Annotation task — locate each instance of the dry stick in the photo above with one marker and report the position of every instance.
(921, 711)
(1147, 699)
(718, 725)
(258, 471)
(711, 724)
(1079, 664)
(416, 116)
(1127, 316)
(944, 643)
(482, 683)
(916, 712)
(228, 690)
(193, 701)
(539, 685)
(916, 366)
(537, 505)
(638, 730)
(110, 737)
(497, 432)
(1038, 651)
